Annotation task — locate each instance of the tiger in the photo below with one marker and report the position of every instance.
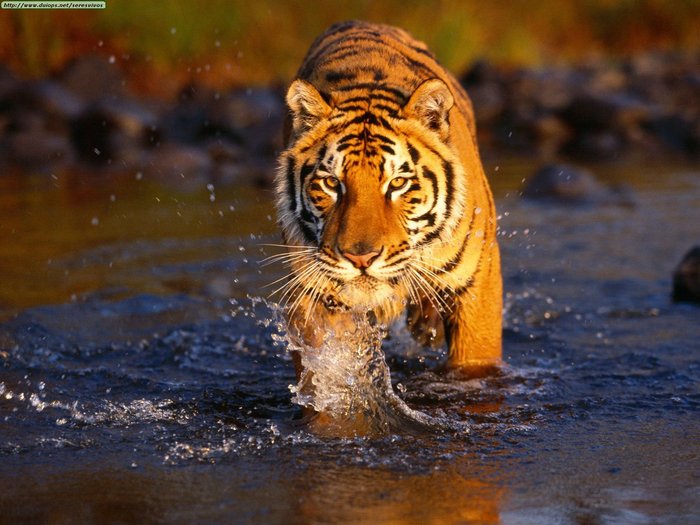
(382, 200)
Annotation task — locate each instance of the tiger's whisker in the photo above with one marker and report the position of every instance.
(288, 275)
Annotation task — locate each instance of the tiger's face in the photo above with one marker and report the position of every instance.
(369, 193)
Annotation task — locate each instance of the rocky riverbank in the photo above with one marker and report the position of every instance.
(85, 117)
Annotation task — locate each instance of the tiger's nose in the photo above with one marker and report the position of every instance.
(362, 260)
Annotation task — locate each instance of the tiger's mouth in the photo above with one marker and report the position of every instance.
(365, 292)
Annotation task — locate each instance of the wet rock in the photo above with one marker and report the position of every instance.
(195, 119)
(686, 278)
(91, 78)
(54, 99)
(488, 102)
(112, 130)
(32, 138)
(605, 112)
(547, 90)
(38, 148)
(255, 115)
(55, 105)
(184, 123)
(594, 145)
(8, 81)
(644, 107)
(678, 133)
(565, 184)
(550, 134)
(484, 85)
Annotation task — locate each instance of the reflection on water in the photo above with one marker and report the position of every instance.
(144, 379)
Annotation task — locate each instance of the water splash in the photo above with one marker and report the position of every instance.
(346, 383)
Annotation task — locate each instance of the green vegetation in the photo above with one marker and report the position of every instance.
(261, 42)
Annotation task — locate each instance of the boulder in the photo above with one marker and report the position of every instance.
(565, 184)
(91, 78)
(112, 130)
(686, 278)
(36, 148)
(606, 112)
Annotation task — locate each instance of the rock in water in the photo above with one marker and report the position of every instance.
(565, 184)
(686, 278)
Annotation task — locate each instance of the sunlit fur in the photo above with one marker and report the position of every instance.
(381, 160)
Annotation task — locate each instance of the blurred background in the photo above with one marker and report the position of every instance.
(161, 44)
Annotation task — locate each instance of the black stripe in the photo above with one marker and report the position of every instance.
(373, 86)
(430, 237)
(337, 76)
(307, 232)
(430, 175)
(393, 112)
(398, 261)
(385, 123)
(449, 182)
(457, 258)
(382, 138)
(351, 107)
(428, 217)
(465, 287)
(414, 153)
(306, 169)
(291, 192)
(424, 51)
(322, 153)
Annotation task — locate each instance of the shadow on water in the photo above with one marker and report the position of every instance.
(145, 380)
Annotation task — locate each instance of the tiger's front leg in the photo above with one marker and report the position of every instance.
(310, 326)
(325, 343)
(473, 327)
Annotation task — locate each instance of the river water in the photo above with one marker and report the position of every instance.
(145, 378)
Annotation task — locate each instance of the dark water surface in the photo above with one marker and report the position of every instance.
(143, 379)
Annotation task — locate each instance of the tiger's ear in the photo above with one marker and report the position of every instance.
(430, 104)
(307, 106)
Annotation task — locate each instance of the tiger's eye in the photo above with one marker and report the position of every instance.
(331, 182)
(397, 183)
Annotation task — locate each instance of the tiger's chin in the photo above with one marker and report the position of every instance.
(366, 293)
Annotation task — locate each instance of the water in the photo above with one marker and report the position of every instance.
(145, 379)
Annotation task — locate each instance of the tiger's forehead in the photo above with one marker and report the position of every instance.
(363, 143)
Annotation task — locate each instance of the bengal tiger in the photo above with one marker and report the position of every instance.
(382, 199)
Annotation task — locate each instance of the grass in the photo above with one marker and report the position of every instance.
(162, 44)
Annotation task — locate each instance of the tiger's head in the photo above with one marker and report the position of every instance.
(367, 191)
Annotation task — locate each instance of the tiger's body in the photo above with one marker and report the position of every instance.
(382, 198)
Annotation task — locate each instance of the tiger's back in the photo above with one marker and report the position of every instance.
(382, 181)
